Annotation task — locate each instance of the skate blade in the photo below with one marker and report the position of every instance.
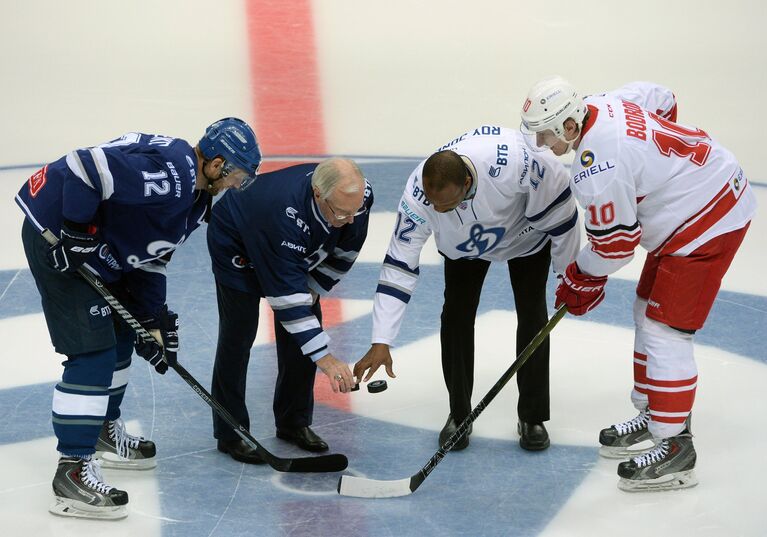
(675, 481)
(73, 508)
(115, 462)
(628, 452)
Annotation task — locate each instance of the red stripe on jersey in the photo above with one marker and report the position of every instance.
(618, 245)
(700, 222)
(613, 236)
(593, 112)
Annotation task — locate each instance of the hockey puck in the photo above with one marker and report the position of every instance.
(377, 386)
(355, 387)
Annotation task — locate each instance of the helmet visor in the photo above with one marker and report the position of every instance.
(538, 141)
(239, 178)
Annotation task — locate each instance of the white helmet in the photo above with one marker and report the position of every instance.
(549, 103)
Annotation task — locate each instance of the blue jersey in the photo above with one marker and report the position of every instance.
(272, 240)
(139, 192)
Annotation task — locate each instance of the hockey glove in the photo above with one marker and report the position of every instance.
(165, 330)
(76, 244)
(580, 292)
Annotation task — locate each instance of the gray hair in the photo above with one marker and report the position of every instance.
(333, 173)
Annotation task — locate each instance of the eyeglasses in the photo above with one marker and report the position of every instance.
(338, 216)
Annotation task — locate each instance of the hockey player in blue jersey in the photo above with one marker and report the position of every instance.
(288, 239)
(120, 209)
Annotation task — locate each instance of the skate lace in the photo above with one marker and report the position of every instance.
(633, 425)
(90, 475)
(124, 442)
(656, 455)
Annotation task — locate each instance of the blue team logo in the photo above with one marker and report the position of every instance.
(481, 240)
(495, 171)
(587, 158)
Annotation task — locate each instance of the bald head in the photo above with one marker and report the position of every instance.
(446, 180)
(442, 169)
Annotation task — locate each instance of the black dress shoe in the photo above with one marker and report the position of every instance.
(447, 431)
(304, 438)
(239, 451)
(532, 436)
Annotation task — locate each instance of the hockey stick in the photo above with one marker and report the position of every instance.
(323, 463)
(361, 487)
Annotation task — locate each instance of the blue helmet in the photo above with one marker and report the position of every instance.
(233, 140)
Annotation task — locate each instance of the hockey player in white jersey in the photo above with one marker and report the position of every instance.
(646, 180)
(486, 197)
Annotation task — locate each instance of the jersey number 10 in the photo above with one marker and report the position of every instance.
(671, 141)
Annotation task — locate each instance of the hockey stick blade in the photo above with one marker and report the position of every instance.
(323, 463)
(361, 487)
(334, 462)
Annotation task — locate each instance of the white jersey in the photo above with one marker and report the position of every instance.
(518, 202)
(644, 179)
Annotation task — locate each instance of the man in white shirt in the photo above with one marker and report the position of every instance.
(486, 197)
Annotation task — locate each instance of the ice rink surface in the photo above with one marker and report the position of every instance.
(387, 83)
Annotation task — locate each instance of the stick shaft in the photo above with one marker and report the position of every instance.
(531, 347)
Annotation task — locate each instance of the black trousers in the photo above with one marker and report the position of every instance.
(294, 391)
(463, 285)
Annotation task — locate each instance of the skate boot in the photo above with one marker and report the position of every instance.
(668, 466)
(80, 491)
(120, 450)
(617, 440)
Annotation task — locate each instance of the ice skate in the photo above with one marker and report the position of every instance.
(80, 492)
(621, 441)
(119, 450)
(668, 466)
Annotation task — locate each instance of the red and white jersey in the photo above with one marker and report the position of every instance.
(644, 179)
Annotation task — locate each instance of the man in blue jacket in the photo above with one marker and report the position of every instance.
(119, 209)
(290, 238)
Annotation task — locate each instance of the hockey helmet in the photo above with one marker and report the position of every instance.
(233, 140)
(548, 105)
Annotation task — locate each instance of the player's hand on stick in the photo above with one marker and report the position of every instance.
(165, 331)
(377, 356)
(77, 242)
(580, 292)
(338, 373)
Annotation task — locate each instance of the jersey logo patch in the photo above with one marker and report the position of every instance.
(587, 158)
(37, 181)
(481, 240)
(494, 171)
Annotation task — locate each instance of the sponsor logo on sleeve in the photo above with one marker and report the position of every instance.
(37, 181)
(589, 168)
(420, 195)
(415, 217)
(587, 158)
